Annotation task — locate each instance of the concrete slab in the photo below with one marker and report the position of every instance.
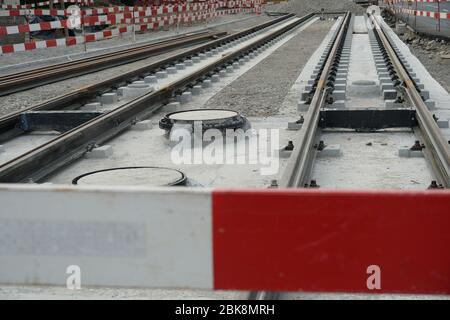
(142, 125)
(100, 152)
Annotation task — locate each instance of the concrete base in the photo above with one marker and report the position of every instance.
(134, 90)
(339, 95)
(333, 150)
(443, 124)
(391, 104)
(142, 125)
(284, 154)
(100, 152)
(304, 96)
(171, 107)
(302, 106)
(196, 90)
(405, 152)
(431, 104)
(150, 79)
(215, 78)
(425, 94)
(108, 98)
(171, 70)
(389, 94)
(338, 104)
(161, 74)
(294, 126)
(387, 86)
(2, 148)
(206, 83)
(92, 106)
(185, 97)
(120, 91)
(180, 66)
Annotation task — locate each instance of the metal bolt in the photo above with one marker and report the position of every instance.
(417, 146)
(434, 185)
(314, 184)
(321, 145)
(290, 146)
(301, 120)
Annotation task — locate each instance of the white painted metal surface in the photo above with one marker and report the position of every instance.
(134, 237)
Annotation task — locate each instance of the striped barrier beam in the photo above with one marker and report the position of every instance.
(268, 240)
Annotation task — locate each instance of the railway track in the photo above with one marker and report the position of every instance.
(69, 146)
(28, 79)
(407, 110)
(413, 110)
(10, 124)
(298, 171)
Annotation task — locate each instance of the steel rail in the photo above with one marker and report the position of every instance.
(66, 148)
(44, 75)
(298, 168)
(8, 123)
(437, 147)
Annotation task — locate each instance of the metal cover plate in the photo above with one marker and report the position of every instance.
(135, 176)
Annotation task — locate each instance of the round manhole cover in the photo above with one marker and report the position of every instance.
(209, 118)
(132, 176)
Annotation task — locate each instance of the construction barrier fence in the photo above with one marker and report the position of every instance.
(117, 20)
(424, 16)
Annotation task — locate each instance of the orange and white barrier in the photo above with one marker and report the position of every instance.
(270, 240)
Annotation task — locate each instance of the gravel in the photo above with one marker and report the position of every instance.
(303, 7)
(25, 99)
(61, 54)
(261, 90)
(434, 55)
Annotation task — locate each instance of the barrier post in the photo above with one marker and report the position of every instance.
(134, 24)
(83, 31)
(415, 17)
(66, 31)
(439, 15)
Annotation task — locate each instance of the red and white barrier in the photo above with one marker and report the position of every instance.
(426, 1)
(272, 240)
(45, 3)
(146, 18)
(420, 13)
(142, 24)
(154, 10)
